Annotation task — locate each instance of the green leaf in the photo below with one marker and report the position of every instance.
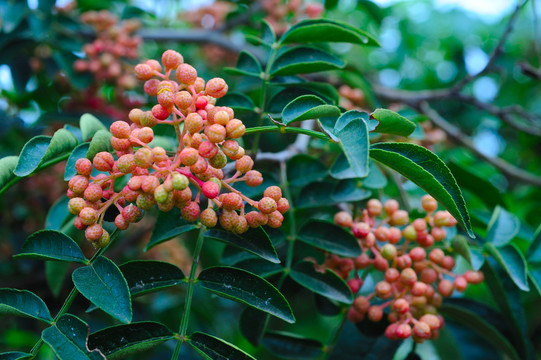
(303, 169)
(512, 260)
(68, 339)
(375, 179)
(507, 296)
(325, 30)
(460, 244)
(502, 228)
(260, 267)
(168, 225)
(41, 149)
(52, 245)
(392, 123)
(237, 101)
(55, 273)
(57, 214)
(103, 284)
(90, 125)
(429, 172)
(534, 251)
(78, 153)
(213, 348)
(478, 185)
(472, 320)
(304, 60)
(349, 191)
(325, 283)
(534, 274)
(330, 237)
(354, 143)
(14, 355)
(255, 241)
(24, 303)
(7, 165)
(145, 276)
(292, 346)
(247, 64)
(120, 341)
(316, 194)
(247, 288)
(267, 32)
(100, 142)
(307, 107)
(252, 325)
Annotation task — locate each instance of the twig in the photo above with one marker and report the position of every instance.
(298, 147)
(498, 50)
(509, 170)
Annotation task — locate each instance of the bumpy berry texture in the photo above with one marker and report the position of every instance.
(416, 274)
(207, 139)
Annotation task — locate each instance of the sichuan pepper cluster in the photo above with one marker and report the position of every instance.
(207, 137)
(417, 273)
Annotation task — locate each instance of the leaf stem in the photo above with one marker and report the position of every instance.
(265, 77)
(263, 129)
(189, 294)
(73, 293)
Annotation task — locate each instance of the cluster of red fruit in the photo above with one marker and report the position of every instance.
(281, 14)
(109, 53)
(206, 134)
(416, 278)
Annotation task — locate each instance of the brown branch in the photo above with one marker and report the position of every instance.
(509, 170)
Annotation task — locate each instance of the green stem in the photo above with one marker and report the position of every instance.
(73, 293)
(329, 348)
(291, 216)
(265, 77)
(189, 294)
(283, 129)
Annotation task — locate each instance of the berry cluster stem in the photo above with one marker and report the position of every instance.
(189, 294)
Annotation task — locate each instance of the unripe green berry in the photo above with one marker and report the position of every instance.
(103, 241)
(160, 194)
(75, 205)
(180, 182)
(145, 201)
(388, 251)
(219, 160)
